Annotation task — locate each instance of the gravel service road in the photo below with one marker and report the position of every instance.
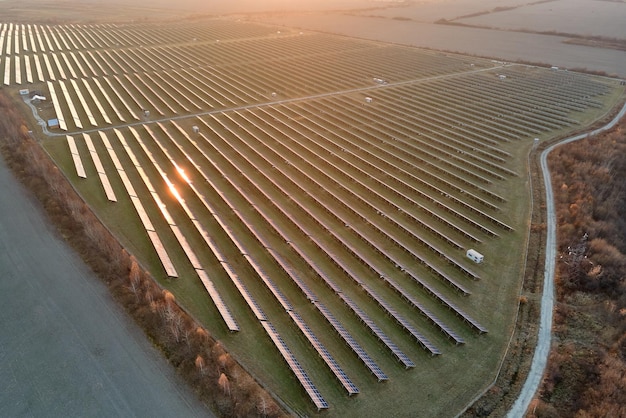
(66, 348)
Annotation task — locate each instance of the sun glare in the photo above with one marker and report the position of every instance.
(174, 192)
(183, 174)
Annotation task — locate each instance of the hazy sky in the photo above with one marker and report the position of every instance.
(240, 6)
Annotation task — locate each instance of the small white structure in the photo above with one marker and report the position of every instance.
(368, 100)
(195, 129)
(554, 68)
(475, 256)
(24, 92)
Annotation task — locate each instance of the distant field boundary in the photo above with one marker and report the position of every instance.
(572, 38)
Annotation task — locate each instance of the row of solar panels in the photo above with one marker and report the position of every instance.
(400, 319)
(275, 290)
(250, 300)
(435, 293)
(160, 249)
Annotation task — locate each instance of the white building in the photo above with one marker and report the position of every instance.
(475, 256)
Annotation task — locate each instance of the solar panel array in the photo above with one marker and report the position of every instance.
(157, 244)
(364, 357)
(252, 303)
(78, 163)
(420, 338)
(293, 180)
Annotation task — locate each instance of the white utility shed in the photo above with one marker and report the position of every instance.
(474, 255)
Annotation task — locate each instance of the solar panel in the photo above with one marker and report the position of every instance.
(186, 247)
(429, 315)
(423, 341)
(295, 367)
(326, 356)
(162, 208)
(117, 94)
(218, 301)
(70, 104)
(352, 343)
(80, 170)
(282, 299)
(29, 73)
(145, 219)
(83, 102)
(7, 71)
(294, 276)
(78, 163)
(127, 184)
(38, 68)
(243, 290)
(315, 267)
(78, 65)
(57, 106)
(72, 144)
(108, 190)
(210, 242)
(100, 169)
(96, 101)
(108, 99)
(163, 256)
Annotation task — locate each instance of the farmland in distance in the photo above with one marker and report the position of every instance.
(327, 185)
(582, 17)
(556, 32)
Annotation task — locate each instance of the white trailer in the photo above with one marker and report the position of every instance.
(475, 256)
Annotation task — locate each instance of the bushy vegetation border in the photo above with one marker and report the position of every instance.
(213, 374)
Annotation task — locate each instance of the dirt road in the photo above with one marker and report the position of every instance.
(66, 348)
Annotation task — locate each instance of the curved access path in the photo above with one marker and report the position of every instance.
(542, 350)
(66, 347)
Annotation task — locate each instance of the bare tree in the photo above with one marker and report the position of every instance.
(135, 277)
(200, 363)
(224, 384)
